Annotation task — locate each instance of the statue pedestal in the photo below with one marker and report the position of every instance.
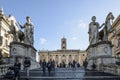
(20, 51)
(100, 53)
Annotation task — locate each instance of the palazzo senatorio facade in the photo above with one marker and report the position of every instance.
(114, 37)
(63, 55)
(5, 37)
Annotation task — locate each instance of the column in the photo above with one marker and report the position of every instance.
(73, 57)
(47, 58)
(59, 60)
(67, 61)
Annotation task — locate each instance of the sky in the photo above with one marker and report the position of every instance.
(55, 19)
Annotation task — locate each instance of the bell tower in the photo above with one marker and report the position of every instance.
(63, 43)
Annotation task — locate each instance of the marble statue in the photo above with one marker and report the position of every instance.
(13, 31)
(107, 26)
(20, 35)
(93, 31)
(28, 31)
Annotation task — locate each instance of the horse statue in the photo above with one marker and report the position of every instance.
(20, 35)
(103, 34)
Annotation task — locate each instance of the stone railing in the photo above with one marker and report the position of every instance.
(34, 64)
(112, 68)
(4, 68)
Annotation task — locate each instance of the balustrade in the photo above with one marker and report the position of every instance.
(113, 69)
(4, 68)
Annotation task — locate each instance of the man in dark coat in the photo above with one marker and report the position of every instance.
(27, 65)
(85, 63)
(49, 66)
(44, 66)
(17, 67)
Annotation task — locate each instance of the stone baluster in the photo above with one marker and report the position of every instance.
(4, 68)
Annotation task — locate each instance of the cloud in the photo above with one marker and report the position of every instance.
(42, 40)
(82, 24)
(74, 38)
(83, 47)
(74, 25)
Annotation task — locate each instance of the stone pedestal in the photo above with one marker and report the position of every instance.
(100, 53)
(20, 51)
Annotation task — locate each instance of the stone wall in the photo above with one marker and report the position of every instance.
(20, 51)
(113, 69)
(34, 64)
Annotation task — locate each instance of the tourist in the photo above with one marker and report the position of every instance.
(44, 66)
(60, 65)
(85, 63)
(53, 64)
(49, 66)
(78, 64)
(27, 65)
(40, 63)
(70, 64)
(17, 67)
(93, 66)
(74, 63)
